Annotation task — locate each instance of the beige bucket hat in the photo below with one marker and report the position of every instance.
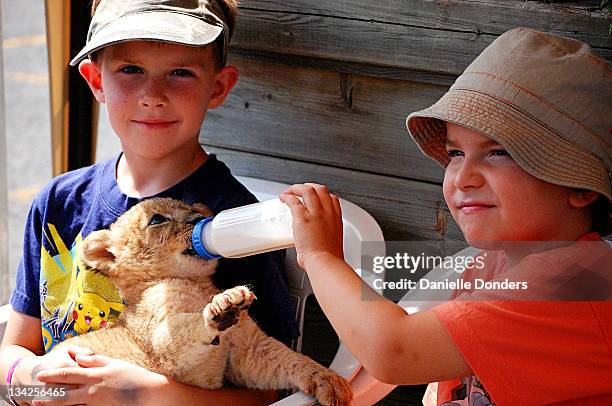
(186, 22)
(545, 98)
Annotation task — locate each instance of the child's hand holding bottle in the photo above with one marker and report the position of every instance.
(317, 222)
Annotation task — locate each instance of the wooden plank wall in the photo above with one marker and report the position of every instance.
(326, 86)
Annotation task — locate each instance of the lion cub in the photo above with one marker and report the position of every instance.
(172, 326)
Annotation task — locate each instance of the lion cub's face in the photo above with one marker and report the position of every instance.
(150, 241)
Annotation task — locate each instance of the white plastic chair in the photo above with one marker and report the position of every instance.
(358, 226)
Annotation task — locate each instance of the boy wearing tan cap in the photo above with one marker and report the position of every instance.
(524, 137)
(158, 65)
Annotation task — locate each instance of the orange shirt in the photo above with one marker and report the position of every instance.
(532, 352)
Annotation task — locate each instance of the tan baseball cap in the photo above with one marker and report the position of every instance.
(546, 99)
(185, 22)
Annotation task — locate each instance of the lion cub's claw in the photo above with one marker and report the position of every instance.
(329, 388)
(224, 309)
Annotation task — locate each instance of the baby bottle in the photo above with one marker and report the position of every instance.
(244, 231)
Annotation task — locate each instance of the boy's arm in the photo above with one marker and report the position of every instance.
(21, 339)
(102, 380)
(393, 346)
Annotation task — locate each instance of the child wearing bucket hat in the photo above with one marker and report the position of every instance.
(524, 137)
(158, 65)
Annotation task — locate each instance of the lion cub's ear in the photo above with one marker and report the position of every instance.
(202, 209)
(96, 250)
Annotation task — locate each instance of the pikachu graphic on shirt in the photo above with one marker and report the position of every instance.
(91, 311)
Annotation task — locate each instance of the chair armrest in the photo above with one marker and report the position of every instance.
(366, 389)
(345, 364)
(297, 399)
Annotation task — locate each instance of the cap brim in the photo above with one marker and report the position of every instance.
(536, 148)
(174, 28)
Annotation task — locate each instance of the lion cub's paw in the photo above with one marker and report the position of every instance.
(329, 388)
(224, 309)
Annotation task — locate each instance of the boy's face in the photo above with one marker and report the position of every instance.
(493, 199)
(157, 94)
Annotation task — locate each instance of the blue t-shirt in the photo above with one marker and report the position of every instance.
(51, 286)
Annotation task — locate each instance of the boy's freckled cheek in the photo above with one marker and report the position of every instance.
(120, 96)
(447, 188)
(127, 90)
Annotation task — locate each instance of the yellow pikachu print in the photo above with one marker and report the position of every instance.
(91, 311)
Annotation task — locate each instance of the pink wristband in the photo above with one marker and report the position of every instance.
(9, 375)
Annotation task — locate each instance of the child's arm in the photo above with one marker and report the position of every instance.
(103, 380)
(393, 346)
(21, 339)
